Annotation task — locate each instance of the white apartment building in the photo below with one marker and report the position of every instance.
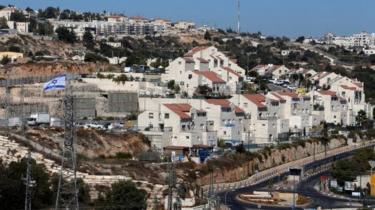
(226, 118)
(213, 68)
(335, 109)
(296, 108)
(362, 39)
(265, 126)
(7, 12)
(176, 124)
(274, 71)
(325, 79)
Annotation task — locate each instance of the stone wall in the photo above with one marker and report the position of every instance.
(268, 160)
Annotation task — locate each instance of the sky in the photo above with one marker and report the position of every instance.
(290, 18)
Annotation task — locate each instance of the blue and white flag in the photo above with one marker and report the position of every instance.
(57, 83)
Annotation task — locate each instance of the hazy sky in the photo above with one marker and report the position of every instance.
(271, 17)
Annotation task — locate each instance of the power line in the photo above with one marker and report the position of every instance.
(29, 182)
(67, 193)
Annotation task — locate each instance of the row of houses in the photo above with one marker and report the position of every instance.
(259, 119)
(245, 118)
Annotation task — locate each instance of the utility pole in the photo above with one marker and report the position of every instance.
(29, 182)
(171, 182)
(67, 193)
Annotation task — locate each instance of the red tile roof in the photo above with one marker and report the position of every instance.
(327, 93)
(188, 59)
(288, 93)
(224, 103)
(210, 75)
(202, 60)
(358, 84)
(180, 109)
(257, 99)
(232, 71)
(348, 88)
(195, 50)
(281, 99)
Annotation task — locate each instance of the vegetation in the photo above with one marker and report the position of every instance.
(66, 35)
(88, 40)
(93, 57)
(12, 194)
(3, 23)
(5, 60)
(124, 195)
(347, 170)
(18, 16)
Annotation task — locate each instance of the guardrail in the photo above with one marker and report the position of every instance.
(284, 168)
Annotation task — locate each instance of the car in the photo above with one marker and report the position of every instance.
(291, 87)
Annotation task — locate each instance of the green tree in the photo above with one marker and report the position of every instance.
(44, 29)
(66, 35)
(171, 84)
(5, 60)
(12, 188)
(361, 117)
(18, 16)
(207, 36)
(124, 195)
(300, 39)
(92, 57)
(3, 23)
(88, 40)
(49, 12)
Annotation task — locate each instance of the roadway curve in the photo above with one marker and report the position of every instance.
(256, 181)
(306, 188)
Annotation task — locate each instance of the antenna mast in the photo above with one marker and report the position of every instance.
(238, 16)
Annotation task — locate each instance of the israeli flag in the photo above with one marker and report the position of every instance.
(58, 83)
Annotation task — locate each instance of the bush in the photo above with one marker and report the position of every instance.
(123, 155)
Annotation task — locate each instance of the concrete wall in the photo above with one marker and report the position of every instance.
(122, 102)
(84, 107)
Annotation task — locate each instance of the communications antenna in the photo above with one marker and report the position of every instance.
(67, 193)
(29, 182)
(238, 16)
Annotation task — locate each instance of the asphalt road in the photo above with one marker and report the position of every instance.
(305, 188)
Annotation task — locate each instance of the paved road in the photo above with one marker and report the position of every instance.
(306, 188)
(261, 179)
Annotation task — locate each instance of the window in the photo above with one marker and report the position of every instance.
(187, 137)
(225, 133)
(166, 116)
(151, 115)
(190, 76)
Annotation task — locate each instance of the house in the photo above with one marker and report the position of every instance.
(296, 108)
(226, 118)
(217, 60)
(265, 127)
(274, 71)
(335, 109)
(177, 68)
(177, 124)
(278, 72)
(7, 12)
(325, 79)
